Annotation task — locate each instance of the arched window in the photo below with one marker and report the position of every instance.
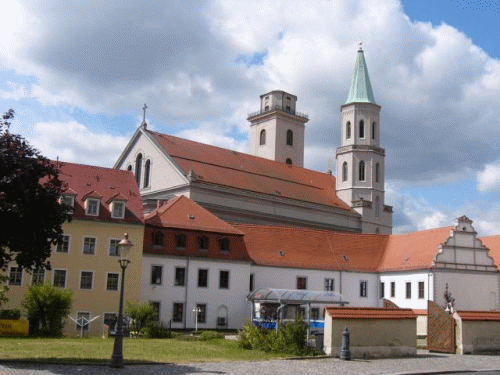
(224, 245)
(344, 172)
(377, 231)
(361, 129)
(147, 171)
(377, 207)
(262, 137)
(180, 241)
(377, 172)
(348, 130)
(129, 168)
(361, 170)
(288, 161)
(373, 130)
(289, 138)
(138, 169)
(157, 238)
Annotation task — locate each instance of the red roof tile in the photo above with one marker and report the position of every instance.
(493, 244)
(117, 197)
(479, 315)
(104, 183)
(182, 212)
(415, 250)
(312, 248)
(369, 313)
(224, 167)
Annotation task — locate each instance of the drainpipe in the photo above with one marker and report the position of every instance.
(186, 293)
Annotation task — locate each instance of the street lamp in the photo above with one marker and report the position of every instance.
(196, 312)
(124, 247)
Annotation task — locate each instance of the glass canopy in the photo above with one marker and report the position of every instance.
(290, 296)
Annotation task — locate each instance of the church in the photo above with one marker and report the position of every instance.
(271, 186)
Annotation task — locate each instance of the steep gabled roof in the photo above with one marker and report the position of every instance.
(103, 183)
(415, 250)
(493, 244)
(182, 212)
(313, 249)
(218, 166)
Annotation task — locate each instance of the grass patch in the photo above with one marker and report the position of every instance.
(134, 350)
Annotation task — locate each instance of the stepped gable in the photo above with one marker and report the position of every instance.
(313, 249)
(214, 165)
(87, 181)
(416, 250)
(493, 245)
(183, 213)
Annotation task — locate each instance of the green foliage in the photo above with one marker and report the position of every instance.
(46, 307)
(141, 313)
(153, 331)
(14, 314)
(3, 288)
(30, 189)
(290, 338)
(211, 335)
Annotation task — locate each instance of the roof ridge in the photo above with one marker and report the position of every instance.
(272, 226)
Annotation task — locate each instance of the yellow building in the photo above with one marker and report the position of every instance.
(106, 204)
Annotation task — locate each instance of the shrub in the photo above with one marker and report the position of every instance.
(141, 314)
(46, 307)
(211, 335)
(153, 331)
(14, 314)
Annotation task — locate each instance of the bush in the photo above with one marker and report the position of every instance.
(153, 331)
(211, 335)
(290, 338)
(141, 314)
(46, 307)
(13, 314)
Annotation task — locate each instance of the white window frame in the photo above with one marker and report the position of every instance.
(418, 292)
(10, 273)
(228, 279)
(365, 289)
(69, 245)
(151, 274)
(297, 282)
(114, 205)
(117, 283)
(406, 290)
(65, 277)
(198, 278)
(80, 280)
(95, 245)
(175, 276)
(117, 249)
(33, 275)
(331, 281)
(71, 198)
(88, 205)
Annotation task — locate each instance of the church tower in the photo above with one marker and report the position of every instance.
(360, 159)
(277, 130)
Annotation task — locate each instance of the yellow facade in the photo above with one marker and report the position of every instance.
(97, 300)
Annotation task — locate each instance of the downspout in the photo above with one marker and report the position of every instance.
(340, 288)
(186, 293)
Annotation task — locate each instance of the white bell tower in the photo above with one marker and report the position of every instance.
(277, 130)
(360, 159)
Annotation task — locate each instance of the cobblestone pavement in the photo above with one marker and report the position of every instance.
(423, 363)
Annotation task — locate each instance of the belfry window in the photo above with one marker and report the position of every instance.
(138, 169)
(361, 171)
(289, 138)
(288, 161)
(262, 137)
(373, 130)
(377, 172)
(344, 172)
(377, 207)
(361, 129)
(348, 130)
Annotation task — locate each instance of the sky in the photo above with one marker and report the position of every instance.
(78, 74)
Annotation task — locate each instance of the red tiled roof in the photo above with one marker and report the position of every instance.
(415, 250)
(117, 197)
(369, 313)
(224, 167)
(479, 315)
(493, 244)
(182, 212)
(312, 248)
(91, 181)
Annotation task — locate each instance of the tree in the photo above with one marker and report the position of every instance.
(141, 314)
(47, 306)
(30, 212)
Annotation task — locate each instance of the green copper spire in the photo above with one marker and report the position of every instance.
(361, 88)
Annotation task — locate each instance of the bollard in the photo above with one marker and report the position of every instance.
(345, 353)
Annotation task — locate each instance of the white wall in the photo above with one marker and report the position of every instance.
(413, 277)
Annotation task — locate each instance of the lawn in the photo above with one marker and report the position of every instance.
(136, 350)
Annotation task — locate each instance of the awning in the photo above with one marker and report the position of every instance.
(296, 296)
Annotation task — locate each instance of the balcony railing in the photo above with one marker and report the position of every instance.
(279, 108)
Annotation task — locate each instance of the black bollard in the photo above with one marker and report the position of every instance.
(345, 353)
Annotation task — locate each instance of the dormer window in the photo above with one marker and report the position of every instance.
(92, 206)
(224, 245)
(117, 210)
(68, 200)
(180, 241)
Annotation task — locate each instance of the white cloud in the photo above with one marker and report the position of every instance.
(17, 92)
(488, 179)
(74, 142)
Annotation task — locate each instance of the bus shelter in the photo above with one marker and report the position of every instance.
(295, 297)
